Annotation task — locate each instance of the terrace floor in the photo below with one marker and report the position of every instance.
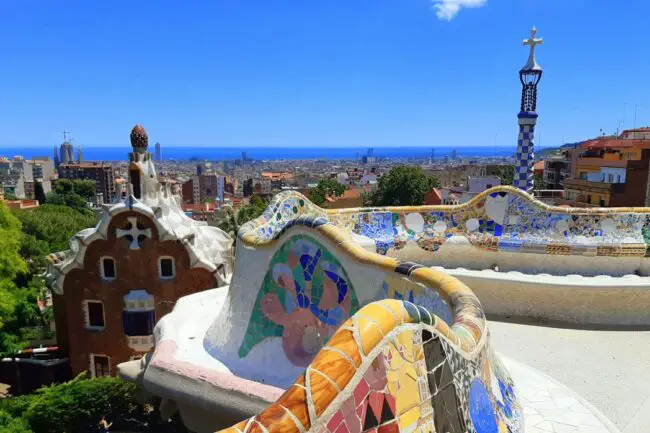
(609, 369)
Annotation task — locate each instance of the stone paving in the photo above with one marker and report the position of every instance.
(550, 407)
(608, 368)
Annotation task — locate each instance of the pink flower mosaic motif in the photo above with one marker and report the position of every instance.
(305, 297)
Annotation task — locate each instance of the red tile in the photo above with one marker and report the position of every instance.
(361, 391)
(342, 429)
(388, 428)
(335, 421)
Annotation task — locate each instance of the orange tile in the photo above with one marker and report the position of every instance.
(370, 335)
(322, 392)
(294, 399)
(345, 342)
(334, 366)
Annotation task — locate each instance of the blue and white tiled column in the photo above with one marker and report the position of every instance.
(523, 178)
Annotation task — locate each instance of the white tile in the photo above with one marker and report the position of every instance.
(565, 402)
(590, 429)
(545, 426)
(543, 405)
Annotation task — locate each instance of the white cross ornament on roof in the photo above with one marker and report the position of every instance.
(532, 42)
(134, 232)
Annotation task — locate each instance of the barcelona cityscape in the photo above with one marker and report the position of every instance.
(426, 216)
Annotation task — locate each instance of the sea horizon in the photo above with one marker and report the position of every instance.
(187, 153)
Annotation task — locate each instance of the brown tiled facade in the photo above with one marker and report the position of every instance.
(135, 270)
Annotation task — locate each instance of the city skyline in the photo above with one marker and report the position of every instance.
(333, 75)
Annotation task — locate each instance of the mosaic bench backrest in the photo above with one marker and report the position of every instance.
(394, 368)
(504, 219)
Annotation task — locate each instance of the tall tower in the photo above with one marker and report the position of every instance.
(157, 154)
(529, 75)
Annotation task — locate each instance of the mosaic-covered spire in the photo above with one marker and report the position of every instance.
(529, 75)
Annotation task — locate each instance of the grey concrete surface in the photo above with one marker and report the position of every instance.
(609, 369)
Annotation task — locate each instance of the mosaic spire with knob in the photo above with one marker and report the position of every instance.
(530, 76)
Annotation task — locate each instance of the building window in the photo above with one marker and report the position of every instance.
(94, 312)
(139, 318)
(108, 268)
(100, 365)
(167, 268)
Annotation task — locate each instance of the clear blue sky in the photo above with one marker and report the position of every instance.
(316, 73)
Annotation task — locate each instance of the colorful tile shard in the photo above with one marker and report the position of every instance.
(392, 369)
(305, 296)
(500, 219)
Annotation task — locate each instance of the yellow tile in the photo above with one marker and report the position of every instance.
(407, 419)
(371, 335)
(383, 318)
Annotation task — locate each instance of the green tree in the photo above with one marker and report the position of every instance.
(48, 228)
(10, 197)
(39, 193)
(11, 263)
(538, 181)
(85, 188)
(507, 174)
(45, 230)
(12, 424)
(325, 188)
(232, 220)
(72, 193)
(402, 186)
(79, 405)
(63, 186)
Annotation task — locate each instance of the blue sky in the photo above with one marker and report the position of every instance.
(316, 73)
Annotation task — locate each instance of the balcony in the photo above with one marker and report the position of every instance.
(599, 162)
(584, 185)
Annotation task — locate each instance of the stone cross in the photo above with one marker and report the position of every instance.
(134, 232)
(532, 42)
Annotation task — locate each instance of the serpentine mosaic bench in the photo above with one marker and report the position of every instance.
(500, 219)
(376, 344)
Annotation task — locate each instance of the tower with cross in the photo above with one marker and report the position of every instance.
(529, 76)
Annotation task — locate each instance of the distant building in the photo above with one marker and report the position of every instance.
(80, 155)
(277, 179)
(208, 186)
(120, 277)
(457, 176)
(187, 191)
(17, 177)
(22, 204)
(158, 153)
(100, 172)
(610, 171)
(557, 167)
(66, 153)
(433, 198)
(477, 185)
(351, 198)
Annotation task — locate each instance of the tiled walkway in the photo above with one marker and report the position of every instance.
(550, 407)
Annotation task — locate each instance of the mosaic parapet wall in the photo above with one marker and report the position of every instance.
(394, 367)
(500, 219)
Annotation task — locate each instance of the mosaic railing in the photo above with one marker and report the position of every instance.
(394, 367)
(500, 219)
